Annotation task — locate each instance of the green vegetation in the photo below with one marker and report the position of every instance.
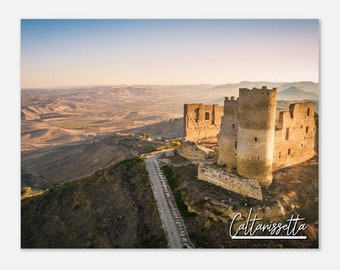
(175, 143)
(173, 183)
(172, 144)
(144, 135)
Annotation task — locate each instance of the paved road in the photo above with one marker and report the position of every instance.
(170, 217)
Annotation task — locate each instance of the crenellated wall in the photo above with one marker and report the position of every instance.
(250, 142)
(255, 136)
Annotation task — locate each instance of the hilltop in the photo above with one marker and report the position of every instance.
(112, 208)
(296, 90)
(69, 133)
(92, 134)
(294, 93)
(46, 167)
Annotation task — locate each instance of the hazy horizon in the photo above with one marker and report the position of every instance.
(72, 53)
(178, 84)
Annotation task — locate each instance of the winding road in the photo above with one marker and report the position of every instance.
(171, 219)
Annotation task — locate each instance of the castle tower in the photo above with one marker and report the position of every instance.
(255, 134)
(227, 138)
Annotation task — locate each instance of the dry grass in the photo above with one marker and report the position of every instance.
(113, 208)
(294, 191)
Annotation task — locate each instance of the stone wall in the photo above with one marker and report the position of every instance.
(201, 121)
(246, 187)
(294, 135)
(227, 138)
(250, 141)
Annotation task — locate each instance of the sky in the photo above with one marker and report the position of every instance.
(77, 52)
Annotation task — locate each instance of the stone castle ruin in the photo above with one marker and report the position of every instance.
(202, 121)
(252, 143)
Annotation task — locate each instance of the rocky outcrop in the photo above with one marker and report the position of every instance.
(192, 151)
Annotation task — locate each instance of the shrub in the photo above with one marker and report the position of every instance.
(175, 143)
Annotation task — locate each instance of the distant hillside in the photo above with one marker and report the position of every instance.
(232, 89)
(56, 116)
(249, 84)
(45, 167)
(219, 92)
(305, 86)
(294, 93)
(171, 128)
(51, 117)
(112, 208)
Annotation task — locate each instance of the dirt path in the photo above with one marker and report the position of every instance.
(169, 214)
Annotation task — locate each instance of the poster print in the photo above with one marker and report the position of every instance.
(169, 133)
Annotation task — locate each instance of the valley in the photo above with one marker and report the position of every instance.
(84, 183)
(52, 117)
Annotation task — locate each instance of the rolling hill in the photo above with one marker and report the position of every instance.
(304, 85)
(67, 134)
(43, 168)
(112, 208)
(294, 93)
